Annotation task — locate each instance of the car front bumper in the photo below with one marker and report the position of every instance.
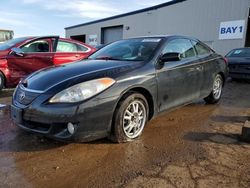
(91, 119)
(239, 71)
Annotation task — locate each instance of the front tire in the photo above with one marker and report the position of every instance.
(130, 118)
(2, 80)
(216, 93)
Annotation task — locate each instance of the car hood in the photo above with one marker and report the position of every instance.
(66, 75)
(239, 60)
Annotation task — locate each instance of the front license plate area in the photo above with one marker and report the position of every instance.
(16, 114)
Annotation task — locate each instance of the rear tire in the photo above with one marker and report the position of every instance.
(130, 118)
(216, 92)
(2, 80)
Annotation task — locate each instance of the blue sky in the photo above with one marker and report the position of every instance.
(50, 17)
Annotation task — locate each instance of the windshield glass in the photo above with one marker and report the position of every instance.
(244, 52)
(9, 43)
(128, 50)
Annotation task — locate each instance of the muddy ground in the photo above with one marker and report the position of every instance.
(193, 146)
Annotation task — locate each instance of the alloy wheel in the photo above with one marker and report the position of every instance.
(217, 87)
(134, 119)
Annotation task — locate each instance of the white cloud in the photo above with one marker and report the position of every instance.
(78, 8)
(10, 20)
(13, 19)
(13, 22)
(32, 1)
(92, 9)
(40, 16)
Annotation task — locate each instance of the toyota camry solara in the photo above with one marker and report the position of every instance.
(118, 89)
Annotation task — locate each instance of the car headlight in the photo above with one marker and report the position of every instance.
(82, 91)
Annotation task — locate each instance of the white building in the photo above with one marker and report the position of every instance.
(222, 24)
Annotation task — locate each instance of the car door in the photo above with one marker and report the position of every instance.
(37, 54)
(208, 59)
(67, 51)
(179, 82)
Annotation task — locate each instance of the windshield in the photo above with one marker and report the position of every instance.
(128, 50)
(243, 52)
(9, 43)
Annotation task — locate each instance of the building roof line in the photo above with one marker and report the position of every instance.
(129, 13)
(6, 30)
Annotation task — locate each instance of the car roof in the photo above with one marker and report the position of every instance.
(52, 36)
(164, 36)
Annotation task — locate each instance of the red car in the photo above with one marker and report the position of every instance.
(22, 56)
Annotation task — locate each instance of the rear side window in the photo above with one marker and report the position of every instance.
(66, 47)
(182, 46)
(81, 48)
(201, 49)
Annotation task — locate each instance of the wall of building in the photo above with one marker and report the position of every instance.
(197, 18)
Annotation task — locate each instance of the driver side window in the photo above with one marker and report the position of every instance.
(182, 46)
(36, 46)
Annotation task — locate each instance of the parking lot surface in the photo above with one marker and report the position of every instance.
(194, 146)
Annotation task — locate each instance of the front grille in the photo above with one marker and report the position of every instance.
(37, 126)
(25, 97)
(53, 129)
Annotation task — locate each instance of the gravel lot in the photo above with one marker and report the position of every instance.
(194, 146)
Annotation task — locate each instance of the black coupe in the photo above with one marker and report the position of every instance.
(239, 63)
(118, 89)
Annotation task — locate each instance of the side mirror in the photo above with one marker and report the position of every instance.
(172, 56)
(17, 51)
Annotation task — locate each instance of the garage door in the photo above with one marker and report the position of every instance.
(111, 34)
(81, 38)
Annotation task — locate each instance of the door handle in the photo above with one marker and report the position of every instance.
(192, 69)
(199, 68)
(77, 55)
(196, 68)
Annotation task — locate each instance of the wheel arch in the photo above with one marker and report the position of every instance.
(136, 89)
(223, 77)
(4, 79)
(148, 97)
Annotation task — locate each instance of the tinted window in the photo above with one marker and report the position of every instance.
(201, 49)
(81, 48)
(182, 46)
(243, 52)
(11, 43)
(36, 46)
(66, 47)
(128, 50)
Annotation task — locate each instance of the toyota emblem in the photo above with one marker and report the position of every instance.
(21, 96)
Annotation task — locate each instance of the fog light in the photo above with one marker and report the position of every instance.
(71, 128)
